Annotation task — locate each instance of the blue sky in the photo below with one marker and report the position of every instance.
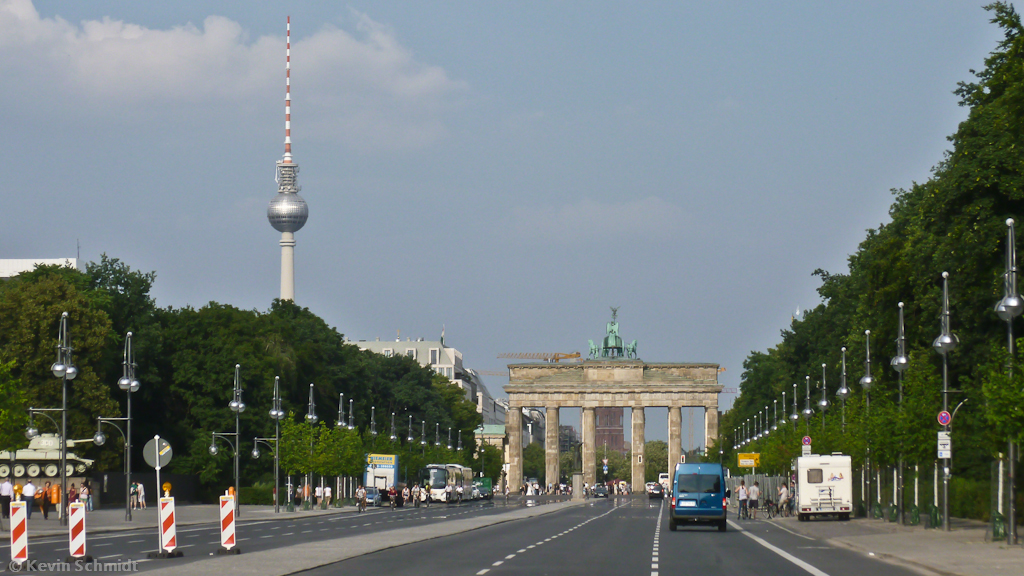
(508, 170)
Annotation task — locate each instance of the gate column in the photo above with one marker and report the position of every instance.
(589, 446)
(710, 423)
(514, 429)
(639, 424)
(675, 437)
(551, 464)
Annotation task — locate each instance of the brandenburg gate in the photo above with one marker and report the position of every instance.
(611, 377)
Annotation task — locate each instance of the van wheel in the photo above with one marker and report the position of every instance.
(801, 517)
(722, 526)
(671, 524)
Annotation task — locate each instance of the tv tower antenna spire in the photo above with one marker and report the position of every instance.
(287, 211)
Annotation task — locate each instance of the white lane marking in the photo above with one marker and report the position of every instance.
(779, 551)
(531, 546)
(267, 536)
(510, 556)
(111, 556)
(288, 534)
(484, 571)
(521, 550)
(777, 525)
(99, 545)
(134, 541)
(498, 563)
(306, 531)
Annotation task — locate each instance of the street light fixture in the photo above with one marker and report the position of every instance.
(843, 393)
(437, 434)
(237, 406)
(823, 404)
(393, 435)
(64, 368)
(796, 413)
(351, 414)
(341, 410)
(409, 439)
(900, 363)
(1009, 308)
(311, 419)
(775, 419)
(276, 414)
(130, 384)
(765, 422)
(373, 420)
(449, 437)
(866, 381)
(808, 412)
(944, 344)
(100, 439)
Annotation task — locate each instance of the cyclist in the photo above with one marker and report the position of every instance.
(741, 493)
(754, 494)
(458, 491)
(361, 498)
(393, 496)
(416, 495)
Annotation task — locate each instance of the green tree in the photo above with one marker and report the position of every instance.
(655, 459)
(12, 408)
(533, 462)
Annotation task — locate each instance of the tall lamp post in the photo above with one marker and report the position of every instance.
(341, 411)
(866, 381)
(276, 414)
(944, 344)
(311, 418)
(409, 438)
(393, 435)
(130, 384)
(783, 421)
(808, 412)
(775, 418)
(843, 393)
(64, 368)
(900, 363)
(796, 412)
(237, 406)
(100, 439)
(823, 403)
(1009, 308)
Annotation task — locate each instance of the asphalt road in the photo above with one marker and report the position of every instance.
(199, 542)
(617, 536)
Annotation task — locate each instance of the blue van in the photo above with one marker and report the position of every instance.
(699, 495)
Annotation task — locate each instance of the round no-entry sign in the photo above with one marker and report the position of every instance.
(807, 441)
(945, 418)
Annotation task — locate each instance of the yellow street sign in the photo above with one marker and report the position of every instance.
(749, 460)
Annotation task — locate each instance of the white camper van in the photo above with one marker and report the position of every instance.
(824, 486)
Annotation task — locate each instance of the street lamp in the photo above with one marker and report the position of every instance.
(866, 381)
(437, 434)
(64, 368)
(900, 363)
(341, 410)
(237, 406)
(944, 344)
(449, 437)
(843, 393)
(823, 403)
(100, 439)
(311, 418)
(796, 413)
(276, 414)
(351, 415)
(130, 384)
(765, 422)
(409, 439)
(1009, 308)
(807, 412)
(373, 420)
(393, 436)
(775, 419)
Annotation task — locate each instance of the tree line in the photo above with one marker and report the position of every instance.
(186, 358)
(956, 222)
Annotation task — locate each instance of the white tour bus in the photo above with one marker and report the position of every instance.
(437, 476)
(824, 486)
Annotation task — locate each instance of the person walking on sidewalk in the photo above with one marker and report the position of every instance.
(755, 494)
(28, 493)
(6, 494)
(742, 495)
(43, 499)
(142, 495)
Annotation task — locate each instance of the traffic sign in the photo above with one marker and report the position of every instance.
(605, 469)
(751, 460)
(149, 453)
(604, 461)
(945, 445)
(807, 441)
(805, 450)
(945, 418)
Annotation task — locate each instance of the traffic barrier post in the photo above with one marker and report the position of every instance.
(19, 533)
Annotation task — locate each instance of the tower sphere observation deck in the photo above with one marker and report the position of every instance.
(287, 212)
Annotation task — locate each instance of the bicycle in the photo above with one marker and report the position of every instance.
(770, 509)
(744, 511)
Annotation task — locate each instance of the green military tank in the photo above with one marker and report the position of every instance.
(42, 459)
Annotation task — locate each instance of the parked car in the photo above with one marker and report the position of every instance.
(600, 491)
(373, 496)
(649, 486)
(656, 491)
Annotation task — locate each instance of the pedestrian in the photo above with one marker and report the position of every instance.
(755, 494)
(142, 495)
(318, 494)
(6, 493)
(327, 495)
(506, 494)
(29, 494)
(741, 493)
(134, 493)
(360, 499)
(86, 496)
(784, 500)
(43, 498)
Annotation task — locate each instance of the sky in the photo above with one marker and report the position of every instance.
(507, 171)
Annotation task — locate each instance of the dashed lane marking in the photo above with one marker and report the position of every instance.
(809, 568)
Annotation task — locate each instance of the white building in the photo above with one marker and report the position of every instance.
(13, 267)
(446, 361)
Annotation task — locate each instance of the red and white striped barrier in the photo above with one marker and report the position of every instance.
(76, 530)
(168, 534)
(227, 522)
(19, 532)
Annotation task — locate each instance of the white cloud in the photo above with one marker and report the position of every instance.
(648, 218)
(363, 86)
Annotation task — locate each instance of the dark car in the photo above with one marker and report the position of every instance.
(600, 491)
(373, 497)
(656, 491)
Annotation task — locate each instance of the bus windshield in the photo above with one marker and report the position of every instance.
(437, 478)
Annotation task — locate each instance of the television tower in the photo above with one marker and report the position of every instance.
(287, 211)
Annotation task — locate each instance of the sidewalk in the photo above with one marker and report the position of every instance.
(112, 519)
(962, 551)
